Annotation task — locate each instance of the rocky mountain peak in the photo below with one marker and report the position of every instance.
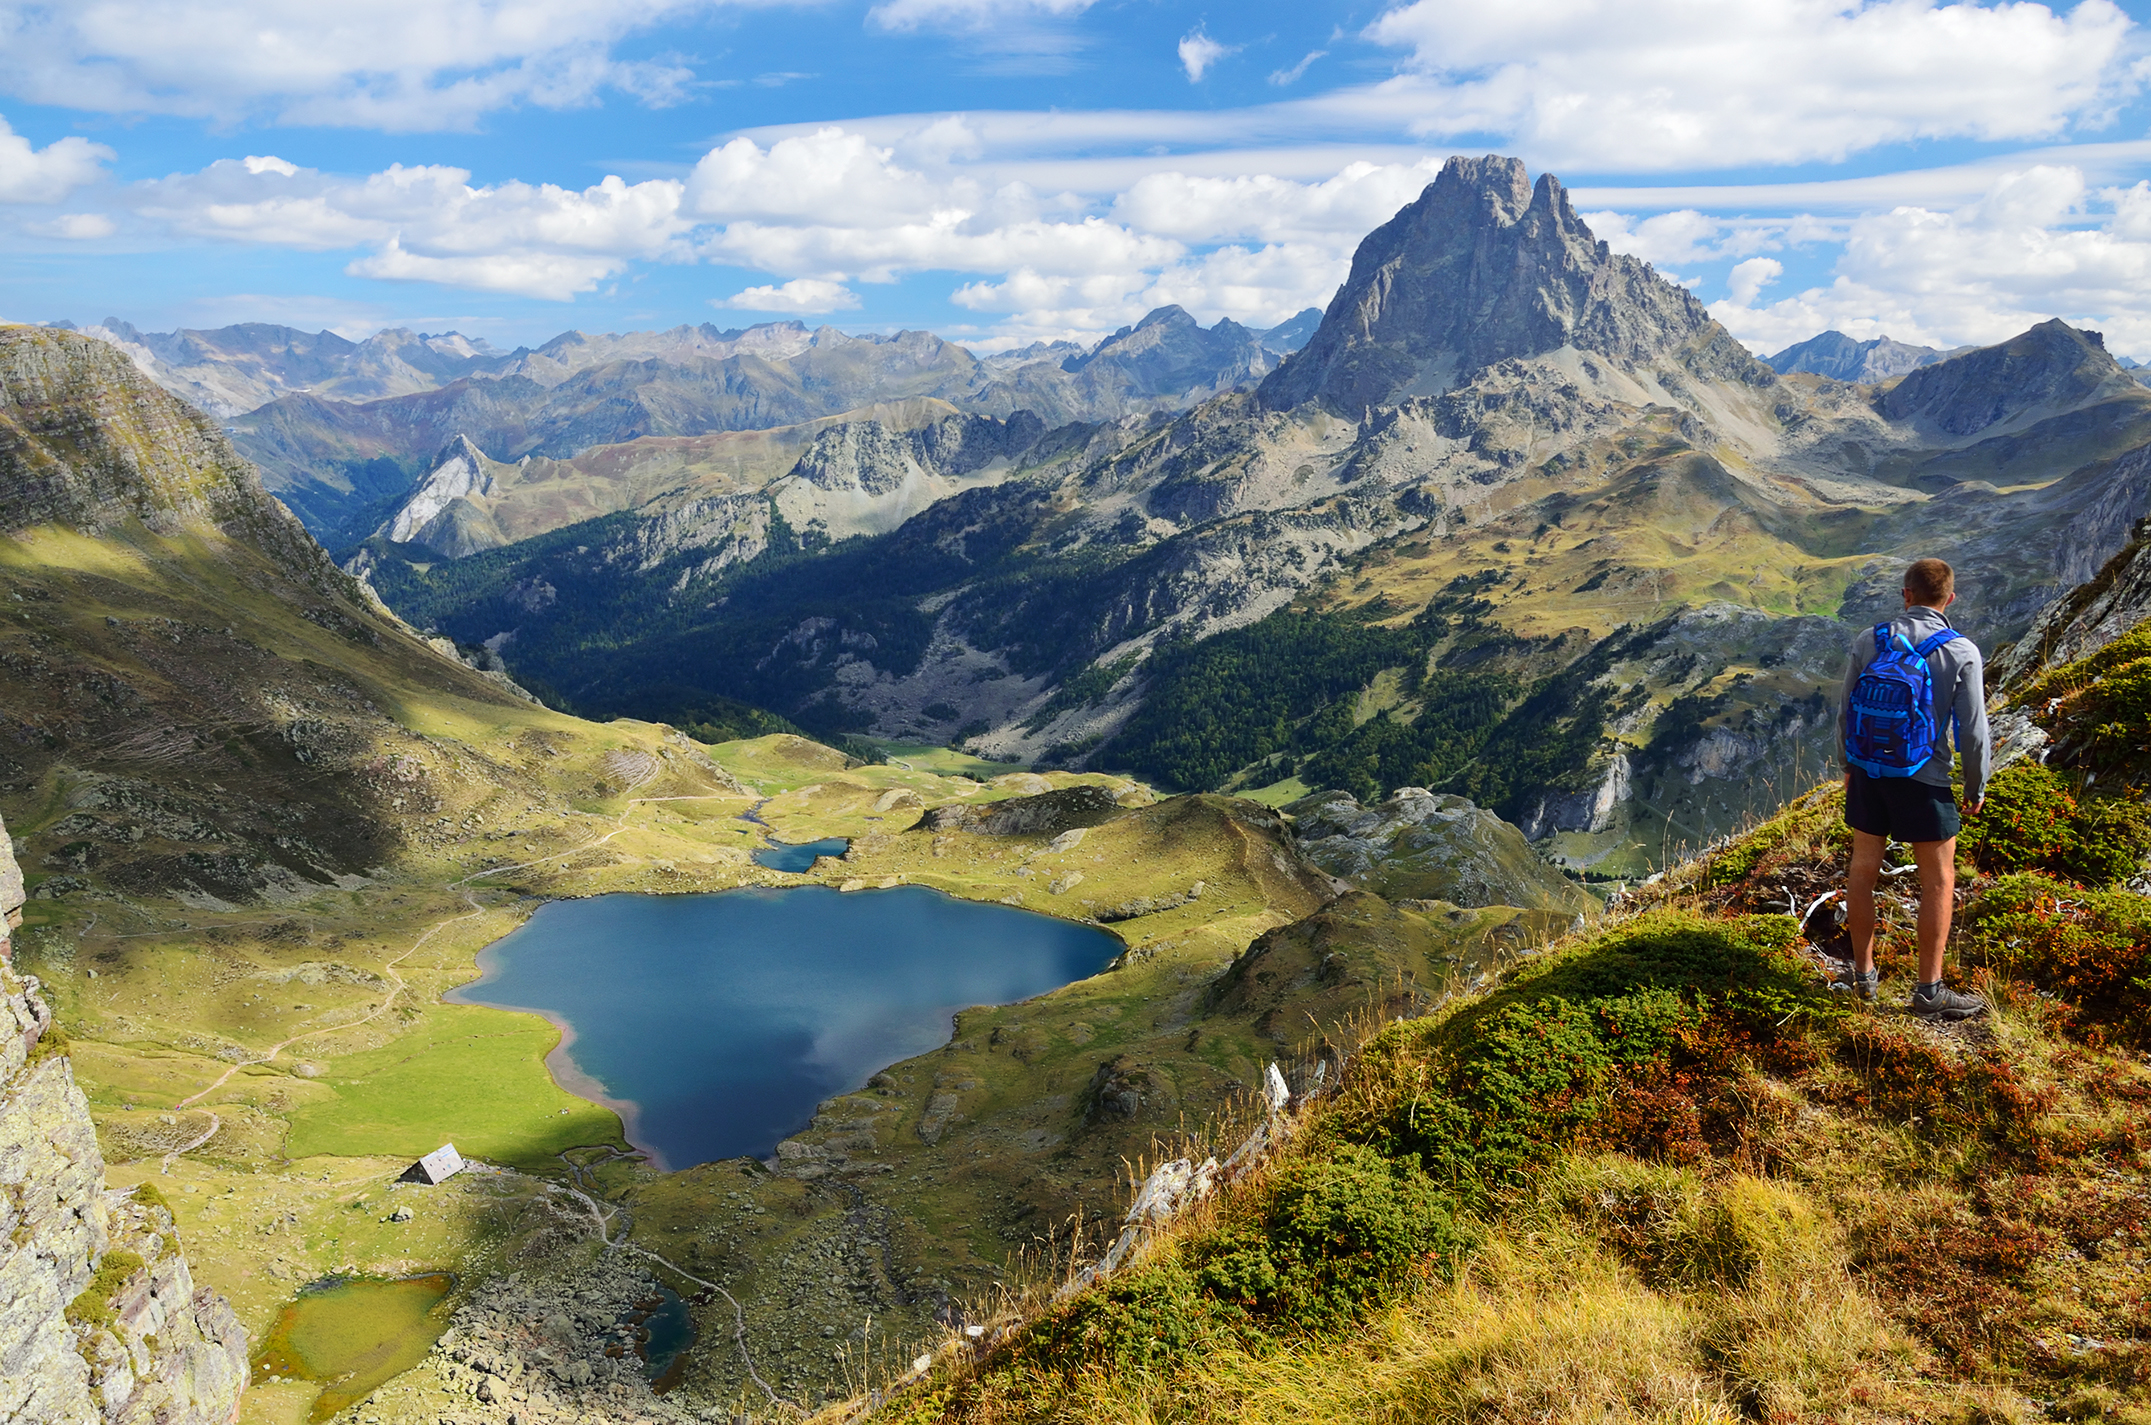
(2049, 368)
(1485, 266)
(1838, 356)
(1168, 350)
(440, 514)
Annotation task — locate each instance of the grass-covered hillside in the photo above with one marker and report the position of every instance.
(1662, 1173)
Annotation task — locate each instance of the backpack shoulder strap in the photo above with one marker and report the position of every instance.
(1932, 641)
(1882, 639)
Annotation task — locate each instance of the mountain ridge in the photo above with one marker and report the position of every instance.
(1665, 550)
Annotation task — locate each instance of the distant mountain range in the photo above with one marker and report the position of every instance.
(1515, 518)
(1839, 357)
(1519, 521)
(342, 429)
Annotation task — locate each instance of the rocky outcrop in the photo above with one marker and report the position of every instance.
(1839, 357)
(867, 455)
(1485, 267)
(1047, 814)
(1422, 845)
(104, 1325)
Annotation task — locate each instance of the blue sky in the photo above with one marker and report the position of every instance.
(1005, 170)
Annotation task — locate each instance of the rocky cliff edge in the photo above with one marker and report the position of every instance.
(102, 1323)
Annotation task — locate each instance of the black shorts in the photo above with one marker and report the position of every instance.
(1902, 808)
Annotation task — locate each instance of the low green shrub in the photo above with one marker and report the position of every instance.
(2032, 821)
(2099, 707)
(1332, 1236)
(1589, 1045)
(2092, 948)
(1134, 1321)
(93, 1307)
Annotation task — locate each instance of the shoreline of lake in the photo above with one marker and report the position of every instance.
(816, 989)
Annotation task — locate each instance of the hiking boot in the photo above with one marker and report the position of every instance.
(1942, 1002)
(1859, 983)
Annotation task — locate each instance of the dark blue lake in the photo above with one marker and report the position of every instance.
(784, 856)
(715, 1023)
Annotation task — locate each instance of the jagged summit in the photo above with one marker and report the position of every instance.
(440, 514)
(1168, 350)
(1485, 266)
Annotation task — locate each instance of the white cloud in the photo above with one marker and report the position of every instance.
(1629, 85)
(427, 223)
(2040, 243)
(1292, 75)
(968, 14)
(1686, 236)
(48, 174)
(391, 64)
(75, 227)
(829, 174)
(1342, 209)
(802, 296)
(818, 211)
(1198, 52)
(1748, 279)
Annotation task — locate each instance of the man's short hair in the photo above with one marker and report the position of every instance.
(1930, 582)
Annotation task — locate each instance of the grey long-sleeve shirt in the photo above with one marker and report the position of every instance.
(1960, 699)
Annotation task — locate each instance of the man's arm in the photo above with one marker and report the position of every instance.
(1975, 741)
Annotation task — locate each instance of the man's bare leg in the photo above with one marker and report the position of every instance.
(1937, 902)
(1867, 850)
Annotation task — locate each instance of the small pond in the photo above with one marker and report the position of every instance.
(784, 856)
(663, 1330)
(715, 1023)
(353, 1334)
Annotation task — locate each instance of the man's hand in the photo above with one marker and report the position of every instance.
(1972, 808)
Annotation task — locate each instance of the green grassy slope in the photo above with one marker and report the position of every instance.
(1661, 1173)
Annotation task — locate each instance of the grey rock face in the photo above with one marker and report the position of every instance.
(145, 1346)
(1423, 845)
(2089, 617)
(11, 891)
(1294, 332)
(867, 455)
(1485, 267)
(2050, 367)
(1839, 357)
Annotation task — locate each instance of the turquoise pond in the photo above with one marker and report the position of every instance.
(785, 856)
(715, 1023)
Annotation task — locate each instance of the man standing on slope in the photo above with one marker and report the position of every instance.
(1910, 681)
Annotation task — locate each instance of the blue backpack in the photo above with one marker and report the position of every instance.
(1889, 722)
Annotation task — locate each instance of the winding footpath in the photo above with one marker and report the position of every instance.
(602, 1218)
